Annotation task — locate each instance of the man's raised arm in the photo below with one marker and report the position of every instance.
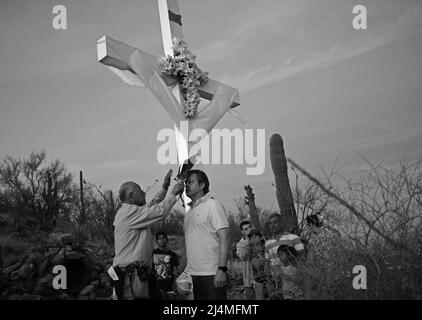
(144, 216)
(162, 193)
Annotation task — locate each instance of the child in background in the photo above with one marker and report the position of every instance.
(164, 263)
(279, 236)
(257, 261)
(242, 251)
(288, 259)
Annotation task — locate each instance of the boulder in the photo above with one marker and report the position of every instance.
(44, 284)
(87, 290)
(64, 296)
(73, 255)
(25, 270)
(105, 281)
(68, 239)
(42, 267)
(2, 221)
(101, 292)
(58, 258)
(94, 274)
(59, 239)
(92, 296)
(11, 268)
(52, 251)
(14, 275)
(38, 248)
(35, 257)
(27, 296)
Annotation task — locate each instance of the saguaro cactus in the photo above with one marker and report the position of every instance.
(283, 191)
(51, 201)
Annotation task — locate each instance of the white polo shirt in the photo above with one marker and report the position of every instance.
(200, 226)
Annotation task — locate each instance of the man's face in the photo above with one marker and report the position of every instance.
(137, 195)
(193, 187)
(246, 228)
(274, 225)
(161, 240)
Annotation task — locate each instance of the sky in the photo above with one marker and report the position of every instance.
(335, 94)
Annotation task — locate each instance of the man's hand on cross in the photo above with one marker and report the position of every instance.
(167, 179)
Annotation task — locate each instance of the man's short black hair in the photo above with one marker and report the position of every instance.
(244, 223)
(202, 178)
(161, 233)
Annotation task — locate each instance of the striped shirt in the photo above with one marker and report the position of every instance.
(285, 238)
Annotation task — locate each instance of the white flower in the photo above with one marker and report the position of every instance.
(182, 67)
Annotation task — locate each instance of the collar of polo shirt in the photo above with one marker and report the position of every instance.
(203, 199)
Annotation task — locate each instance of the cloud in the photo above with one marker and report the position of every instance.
(306, 47)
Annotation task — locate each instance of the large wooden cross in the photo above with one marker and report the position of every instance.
(140, 68)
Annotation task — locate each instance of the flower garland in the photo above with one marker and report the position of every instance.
(182, 68)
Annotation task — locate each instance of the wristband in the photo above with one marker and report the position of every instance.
(222, 268)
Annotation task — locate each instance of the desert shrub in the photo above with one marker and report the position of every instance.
(13, 249)
(374, 222)
(100, 209)
(31, 186)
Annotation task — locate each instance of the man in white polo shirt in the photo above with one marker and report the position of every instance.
(207, 240)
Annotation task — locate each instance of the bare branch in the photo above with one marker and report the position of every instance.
(352, 209)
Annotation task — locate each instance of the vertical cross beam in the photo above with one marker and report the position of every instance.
(171, 23)
(171, 27)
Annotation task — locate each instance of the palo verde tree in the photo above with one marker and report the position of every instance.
(37, 188)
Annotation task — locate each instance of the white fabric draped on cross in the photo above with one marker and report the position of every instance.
(147, 74)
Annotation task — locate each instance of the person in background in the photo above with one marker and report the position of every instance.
(242, 251)
(257, 262)
(279, 236)
(164, 262)
(288, 260)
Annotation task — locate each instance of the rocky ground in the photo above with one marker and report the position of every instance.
(31, 276)
(27, 261)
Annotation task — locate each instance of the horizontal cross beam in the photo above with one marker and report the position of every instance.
(117, 54)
